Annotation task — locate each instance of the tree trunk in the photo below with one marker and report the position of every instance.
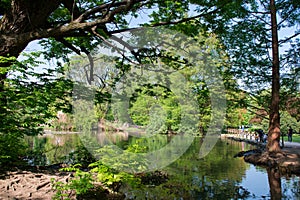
(23, 16)
(274, 123)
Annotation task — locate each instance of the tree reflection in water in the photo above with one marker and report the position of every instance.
(274, 183)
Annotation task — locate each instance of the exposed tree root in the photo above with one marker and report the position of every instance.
(286, 162)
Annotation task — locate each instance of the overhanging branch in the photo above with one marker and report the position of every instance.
(75, 25)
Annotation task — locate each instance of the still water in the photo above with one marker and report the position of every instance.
(216, 176)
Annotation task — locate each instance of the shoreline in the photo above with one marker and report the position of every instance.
(287, 161)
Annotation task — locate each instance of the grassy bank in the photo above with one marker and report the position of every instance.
(296, 138)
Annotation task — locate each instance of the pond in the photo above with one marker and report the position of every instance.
(216, 176)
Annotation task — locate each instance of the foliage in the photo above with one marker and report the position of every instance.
(112, 178)
(147, 106)
(81, 155)
(286, 122)
(158, 106)
(138, 146)
(122, 160)
(81, 183)
(147, 144)
(246, 35)
(240, 25)
(244, 27)
(28, 101)
(186, 177)
(84, 115)
(238, 117)
(30, 97)
(5, 60)
(12, 148)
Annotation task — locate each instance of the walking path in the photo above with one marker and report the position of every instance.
(292, 144)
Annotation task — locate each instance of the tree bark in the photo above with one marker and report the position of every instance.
(273, 144)
(22, 17)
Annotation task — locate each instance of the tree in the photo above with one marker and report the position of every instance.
(250, 34)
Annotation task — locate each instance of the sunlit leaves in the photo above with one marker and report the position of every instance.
(30, 98)
(169, 10)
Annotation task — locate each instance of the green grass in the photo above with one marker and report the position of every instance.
(296, 138)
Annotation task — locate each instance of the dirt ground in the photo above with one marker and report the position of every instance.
(34, 183)
(29, 185)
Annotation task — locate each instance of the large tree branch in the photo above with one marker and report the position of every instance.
(78, 25)
(107, 12)
(73, 26)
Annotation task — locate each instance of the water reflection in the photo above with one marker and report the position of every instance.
(51, 148)
(216, 176)
(106, 138)
(274, 183)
